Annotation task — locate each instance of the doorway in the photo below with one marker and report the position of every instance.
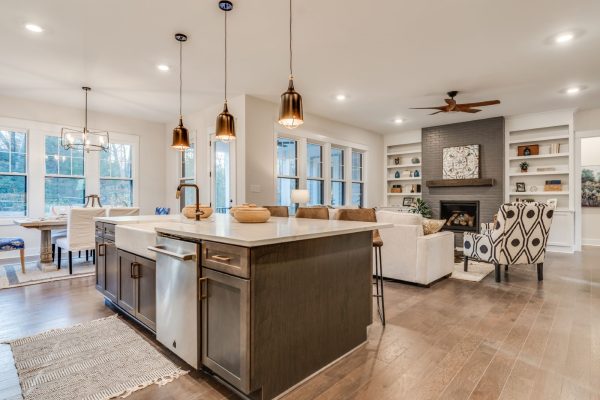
(587, 189)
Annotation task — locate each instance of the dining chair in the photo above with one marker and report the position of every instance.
(14, 243)
(278, 211)
(80, 233)
(122, 211)
(312, 212)
(56, 234)
(369, 215)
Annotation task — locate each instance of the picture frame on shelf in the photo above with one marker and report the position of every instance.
(408, 201)
(528, 150)
(521, 187)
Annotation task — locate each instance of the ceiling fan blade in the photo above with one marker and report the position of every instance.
(470, 110)
(437, 112)
(479, 104)
(441, 108)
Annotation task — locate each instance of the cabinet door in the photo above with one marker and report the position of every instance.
(100, 265)
(111, 267)
(226, 326)
(127, 284)
(145, 273)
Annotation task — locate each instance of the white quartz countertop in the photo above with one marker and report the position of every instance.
(225, 229)
(141, 219)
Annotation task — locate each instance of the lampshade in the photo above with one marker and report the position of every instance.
(225, 127)
(181, 138)
(290, 108)
(300, 196)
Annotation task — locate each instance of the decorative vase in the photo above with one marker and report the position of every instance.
(397, 160)
(397, 174)
(416, 174)
(415, 160)
(527, 151)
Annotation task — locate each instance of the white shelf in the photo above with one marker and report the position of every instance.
(400, 153)
(403, 179)
(404, 194)
(404, 165)
(540, 139)
(538, 173)
(557, 155)
(541, 193)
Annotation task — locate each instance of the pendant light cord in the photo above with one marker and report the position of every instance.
(225, 91)
(180, 75)
(86, 112)
(291, 54)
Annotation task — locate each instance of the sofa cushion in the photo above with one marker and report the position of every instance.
(431, 226)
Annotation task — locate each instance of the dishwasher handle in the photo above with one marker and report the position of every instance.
(183, 257)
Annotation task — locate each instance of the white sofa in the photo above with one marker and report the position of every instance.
(409, 255)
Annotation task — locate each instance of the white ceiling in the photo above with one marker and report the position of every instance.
(386, 55)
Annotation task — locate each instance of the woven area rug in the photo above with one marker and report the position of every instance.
(477, 271)
(11, 275)
(97, 360)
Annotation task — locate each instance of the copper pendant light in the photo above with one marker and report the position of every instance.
(181, 137)
(225, 126)
(290, 106)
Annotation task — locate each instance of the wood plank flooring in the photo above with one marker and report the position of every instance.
(457, 340)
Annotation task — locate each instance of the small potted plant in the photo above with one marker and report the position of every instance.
(524, 166)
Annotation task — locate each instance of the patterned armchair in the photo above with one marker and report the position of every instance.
(519, 236)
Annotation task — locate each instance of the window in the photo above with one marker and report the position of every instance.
(287, 171)
(64, 183)
(357, 179)
(314, 174)
(116, 176)
(188, 175)
(13, 173)
(337, 177)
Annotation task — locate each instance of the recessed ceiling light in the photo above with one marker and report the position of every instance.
(573, 90)
(398, 121)
(163, 67)
(564, 37)
(341, 97)
(34, 28)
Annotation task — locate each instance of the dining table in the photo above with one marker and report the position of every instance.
(45, 225)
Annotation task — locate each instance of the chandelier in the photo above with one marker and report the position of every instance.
(86, 139)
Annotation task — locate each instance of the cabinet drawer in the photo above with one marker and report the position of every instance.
(234, 260)
(109, 231)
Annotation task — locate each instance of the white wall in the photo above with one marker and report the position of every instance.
(589, 120)
(151, 165)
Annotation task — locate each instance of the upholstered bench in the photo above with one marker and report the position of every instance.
(12, 244)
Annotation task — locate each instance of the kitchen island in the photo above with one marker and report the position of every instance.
(269, 304)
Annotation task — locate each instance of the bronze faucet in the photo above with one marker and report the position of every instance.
(178, 194)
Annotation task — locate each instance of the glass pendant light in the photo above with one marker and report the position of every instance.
(290, 107)
(225, 126)
(181, 137)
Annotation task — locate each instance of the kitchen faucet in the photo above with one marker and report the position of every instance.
(178, 194)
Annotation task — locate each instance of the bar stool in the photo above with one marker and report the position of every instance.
(313, 212)
(278, 211)
(368, 215)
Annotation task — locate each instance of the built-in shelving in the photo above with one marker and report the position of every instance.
(556, 155)
(404, 158)
(538, 173)
(542, 193)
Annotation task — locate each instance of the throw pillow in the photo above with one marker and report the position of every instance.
(431, 226)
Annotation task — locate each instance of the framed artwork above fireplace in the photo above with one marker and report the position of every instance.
(461, 162)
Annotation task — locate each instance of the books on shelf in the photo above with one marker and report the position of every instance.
(554, 148)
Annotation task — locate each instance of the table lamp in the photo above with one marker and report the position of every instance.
(300, 196)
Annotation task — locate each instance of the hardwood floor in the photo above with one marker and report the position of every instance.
(457, 340)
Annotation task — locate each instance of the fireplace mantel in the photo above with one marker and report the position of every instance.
(460, 182)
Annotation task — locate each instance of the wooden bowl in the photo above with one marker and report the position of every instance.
(189, 211)
(252, 215)
(245, 205)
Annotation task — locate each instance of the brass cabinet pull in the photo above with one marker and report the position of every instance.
(132, 270)
(200, 295)
(221, 258)
(101, 246)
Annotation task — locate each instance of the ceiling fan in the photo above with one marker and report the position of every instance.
(452, 106)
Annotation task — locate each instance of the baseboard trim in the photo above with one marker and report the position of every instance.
(590, 242)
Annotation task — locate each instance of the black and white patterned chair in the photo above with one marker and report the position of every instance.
(519, 236)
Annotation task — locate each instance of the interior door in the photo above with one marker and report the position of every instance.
(222, 174)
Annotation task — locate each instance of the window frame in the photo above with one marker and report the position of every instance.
(320, 178)
(183, 198)
(295, 178)
(131, 179)
(344, 174)
(360, 181)
(26, 132)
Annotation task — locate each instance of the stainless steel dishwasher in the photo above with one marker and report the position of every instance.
(177, 311)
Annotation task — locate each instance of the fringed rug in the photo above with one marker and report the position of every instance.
(476, 271)
(96, 360)
(11, 275)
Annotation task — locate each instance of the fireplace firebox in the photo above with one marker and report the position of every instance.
(460, 216)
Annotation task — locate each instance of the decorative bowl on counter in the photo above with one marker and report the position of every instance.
(245, 205)
(189, 211)
(251, 214)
